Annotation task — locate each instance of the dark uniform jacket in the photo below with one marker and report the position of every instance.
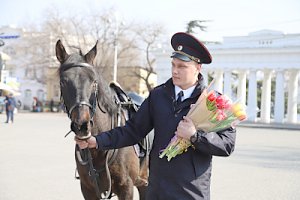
(187, 176)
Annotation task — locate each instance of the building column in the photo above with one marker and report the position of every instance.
(292, 96)
(266, 97)
(279, 97)
(227, 83)
(241, 91)
(218, 80)
(252, 96)
(204, 74)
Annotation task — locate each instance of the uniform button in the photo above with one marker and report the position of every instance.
(175, 115)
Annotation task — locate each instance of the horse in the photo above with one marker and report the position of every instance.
(91, 106)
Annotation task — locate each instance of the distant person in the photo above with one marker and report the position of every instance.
(6, 107)
(37, 105)
(10, 105)
(19, 104)
(34, 104)
(51, 105)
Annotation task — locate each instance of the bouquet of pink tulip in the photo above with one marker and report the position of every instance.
(211, 113)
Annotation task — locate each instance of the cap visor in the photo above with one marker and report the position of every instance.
(181, 57)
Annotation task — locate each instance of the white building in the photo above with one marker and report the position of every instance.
(20, 67)
(260, 56)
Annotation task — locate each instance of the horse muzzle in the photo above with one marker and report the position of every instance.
(82, 130)
(81, 121)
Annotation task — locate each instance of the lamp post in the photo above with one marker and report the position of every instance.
(1, 65)
(1, 61)
(116, 47)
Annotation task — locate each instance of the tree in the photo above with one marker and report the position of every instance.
(193, 24)
(149, 39)
(132, 39)
(32, 55)
(81, 33)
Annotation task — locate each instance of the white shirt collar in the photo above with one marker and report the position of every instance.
(186, 93)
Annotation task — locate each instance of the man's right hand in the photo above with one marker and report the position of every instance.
(89, 143)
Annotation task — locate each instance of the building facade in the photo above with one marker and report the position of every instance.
(23, 70)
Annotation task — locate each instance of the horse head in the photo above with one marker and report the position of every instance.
(79, 88)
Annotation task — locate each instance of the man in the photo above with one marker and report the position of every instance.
(10, 104)
(187, 176)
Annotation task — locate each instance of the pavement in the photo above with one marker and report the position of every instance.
(37, 162)
(271, 125)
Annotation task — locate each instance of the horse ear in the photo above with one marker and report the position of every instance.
(90, 56)
(61, 53)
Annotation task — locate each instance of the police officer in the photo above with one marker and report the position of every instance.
(187, 176)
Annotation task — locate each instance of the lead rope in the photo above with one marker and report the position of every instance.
(108, 194)
(93, 173)
(95, 177)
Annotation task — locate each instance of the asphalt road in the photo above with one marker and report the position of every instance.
(37, 162)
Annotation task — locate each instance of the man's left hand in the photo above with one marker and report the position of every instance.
(186, 128)
(89, 143)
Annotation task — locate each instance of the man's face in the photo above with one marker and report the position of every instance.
(184, 74)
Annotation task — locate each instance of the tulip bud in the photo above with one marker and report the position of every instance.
(236, 107)
(241, 115)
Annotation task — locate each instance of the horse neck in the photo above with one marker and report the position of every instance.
(106, 96)
(102, 121)
(105, 110)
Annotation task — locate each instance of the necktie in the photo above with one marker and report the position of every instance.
(179, 98)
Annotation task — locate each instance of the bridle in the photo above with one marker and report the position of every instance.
(82, 103)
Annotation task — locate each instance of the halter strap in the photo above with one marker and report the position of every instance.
(82, 103)
(70, 65)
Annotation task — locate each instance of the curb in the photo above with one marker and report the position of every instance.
(270, 125)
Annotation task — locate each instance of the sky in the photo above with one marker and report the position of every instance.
(225, 17)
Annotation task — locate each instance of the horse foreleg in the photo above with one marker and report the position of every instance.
(142, 180)
(88, 193)
(126, 190)
(142, 192)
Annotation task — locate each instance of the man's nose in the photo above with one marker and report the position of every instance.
(174, 70)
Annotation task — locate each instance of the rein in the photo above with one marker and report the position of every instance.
(94, 173)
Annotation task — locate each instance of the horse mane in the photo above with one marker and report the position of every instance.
(105, 94)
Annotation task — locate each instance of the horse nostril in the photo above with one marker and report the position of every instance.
(74, 127)
(77, 127)
(84, 126)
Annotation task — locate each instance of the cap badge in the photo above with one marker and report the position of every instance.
(180, 47)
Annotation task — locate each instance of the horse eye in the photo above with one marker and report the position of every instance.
(62, 83)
